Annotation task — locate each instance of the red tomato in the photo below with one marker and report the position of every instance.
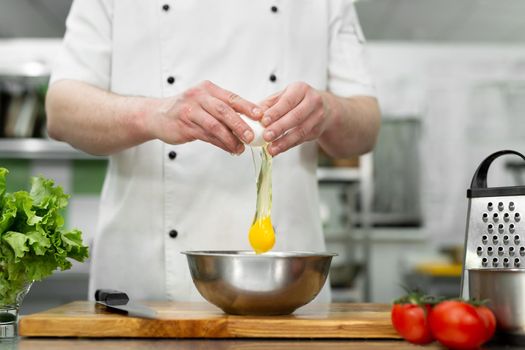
(410, 321)
(489, 319)
(460, 325)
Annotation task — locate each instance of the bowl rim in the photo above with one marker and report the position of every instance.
(252, 254)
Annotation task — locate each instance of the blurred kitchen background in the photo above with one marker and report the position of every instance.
(450, 77)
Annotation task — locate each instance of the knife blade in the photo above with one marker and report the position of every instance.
(117, 301)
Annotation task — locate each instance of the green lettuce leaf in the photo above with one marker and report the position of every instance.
(33, 242)
(3, 175)
(72, 241)
(39, 241)
(7, 213)
(17, 241)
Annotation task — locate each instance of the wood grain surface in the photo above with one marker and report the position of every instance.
(202, 320)
(215, 344)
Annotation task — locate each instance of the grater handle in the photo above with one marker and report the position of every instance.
(480, 176)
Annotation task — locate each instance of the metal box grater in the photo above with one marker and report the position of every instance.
(495, 234)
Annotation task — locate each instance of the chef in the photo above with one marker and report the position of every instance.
(158, 86)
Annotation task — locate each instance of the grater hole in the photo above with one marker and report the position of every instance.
(479, 250)
(490, 228)
(506, 216)
(500, 228)
(506, 262)
(506, 239)
(500, 250)
(496, 217)
(512, 228)
(511, 250)
(511, 206)
(484, 238)
(517, 262)
(490, 249)
(517, 239)
(517, 217)
(484, 261)
(490, 206)
(485, 216)
(495, 262)
(500, 206)
(522, 251)
(495, 239)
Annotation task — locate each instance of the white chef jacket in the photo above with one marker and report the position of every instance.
(160, 199)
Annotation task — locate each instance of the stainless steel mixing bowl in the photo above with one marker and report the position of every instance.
(243, 283)
(505, 291)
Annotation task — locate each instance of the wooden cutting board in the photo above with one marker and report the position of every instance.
(202, 320)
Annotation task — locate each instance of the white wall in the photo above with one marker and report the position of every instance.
(471, 100)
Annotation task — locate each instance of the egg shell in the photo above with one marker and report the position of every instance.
(257, 129)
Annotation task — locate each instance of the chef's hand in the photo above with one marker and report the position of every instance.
(205, 112)
(295, 115)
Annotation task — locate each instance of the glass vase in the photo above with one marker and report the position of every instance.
(9, 310)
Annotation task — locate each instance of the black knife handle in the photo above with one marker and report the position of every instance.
(111, 297)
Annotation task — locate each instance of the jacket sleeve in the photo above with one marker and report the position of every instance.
(85, 54)
(348, 74)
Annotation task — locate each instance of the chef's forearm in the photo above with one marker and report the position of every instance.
(94, 120)
(354, 125)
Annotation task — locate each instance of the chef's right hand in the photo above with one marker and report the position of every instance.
(205, 112)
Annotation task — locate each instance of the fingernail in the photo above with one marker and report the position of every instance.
(269, 135)
(266, 121)
(247, 136)
(257, 112)
(240, 149)
(273, 150)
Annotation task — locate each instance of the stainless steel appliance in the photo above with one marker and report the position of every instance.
(495, 234)
(505, 291)
(23, 86)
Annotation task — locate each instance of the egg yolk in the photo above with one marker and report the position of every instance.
(261, 235)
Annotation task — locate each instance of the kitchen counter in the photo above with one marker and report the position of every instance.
(198, 320)
(260, 344)
(216, 344)
(83, 326)
(344, 327)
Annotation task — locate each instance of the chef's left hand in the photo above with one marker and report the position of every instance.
(295, 115)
